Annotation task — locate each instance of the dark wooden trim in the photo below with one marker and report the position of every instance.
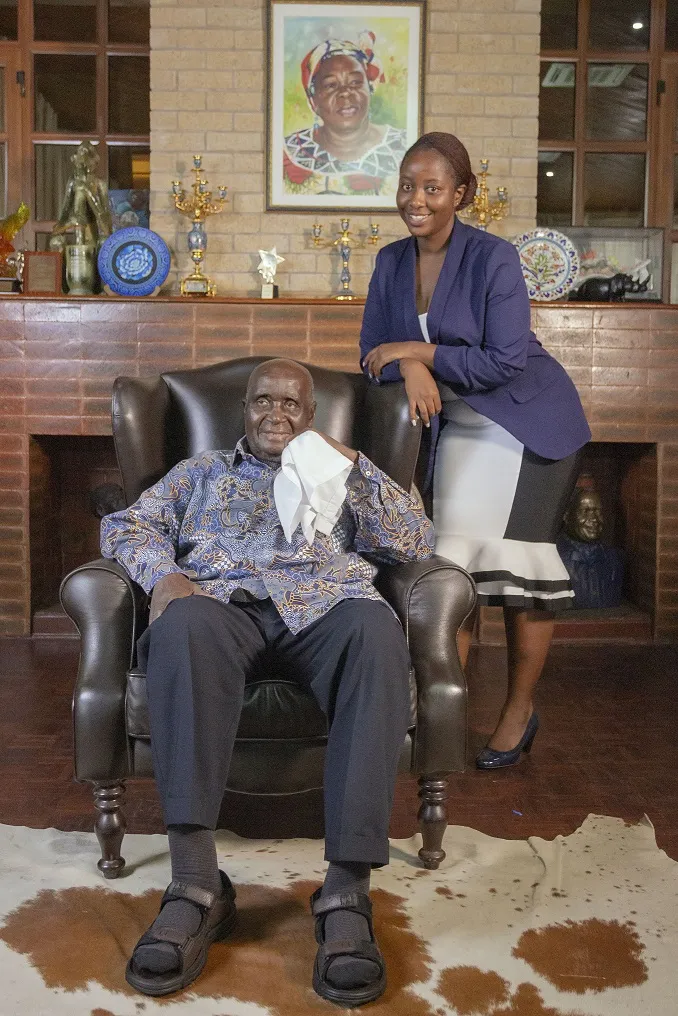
(305, 301)
(580, 113)
(627, 145)
(596, 55)
(668, 149)
(12, 132)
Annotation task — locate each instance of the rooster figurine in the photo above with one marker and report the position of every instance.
(9, 227)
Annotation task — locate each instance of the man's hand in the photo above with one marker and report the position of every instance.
(168, 588)
(350, 453)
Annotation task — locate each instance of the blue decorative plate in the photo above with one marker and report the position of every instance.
(134, 261)
(549, 261)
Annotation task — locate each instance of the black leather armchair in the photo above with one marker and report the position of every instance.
(157, 421)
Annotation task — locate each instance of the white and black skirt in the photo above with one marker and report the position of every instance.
(497, 509)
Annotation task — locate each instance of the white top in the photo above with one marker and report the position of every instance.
(446, 393)
(310, 488)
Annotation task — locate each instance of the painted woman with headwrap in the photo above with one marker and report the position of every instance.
(448, 312)
(344, 152)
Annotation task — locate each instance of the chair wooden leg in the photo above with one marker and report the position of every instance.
(432, 819)
(110, 827)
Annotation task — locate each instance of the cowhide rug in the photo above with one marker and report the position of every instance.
(582, 925)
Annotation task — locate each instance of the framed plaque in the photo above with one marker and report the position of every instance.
(42, 273)
(345, 102)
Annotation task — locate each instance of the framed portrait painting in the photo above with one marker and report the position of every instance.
(344, 102)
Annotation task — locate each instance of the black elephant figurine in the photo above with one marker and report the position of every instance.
(602, 290)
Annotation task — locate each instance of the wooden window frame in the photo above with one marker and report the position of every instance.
(11, 136)
(20, 134)
(659, 145)
(668, 153)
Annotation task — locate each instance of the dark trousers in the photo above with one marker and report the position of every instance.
(354, 660)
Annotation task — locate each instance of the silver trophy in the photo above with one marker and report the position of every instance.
(268, 266)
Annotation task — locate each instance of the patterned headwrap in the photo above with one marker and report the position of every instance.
(363, 51)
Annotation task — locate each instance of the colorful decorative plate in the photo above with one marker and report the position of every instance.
(550, 263)
(134, 261)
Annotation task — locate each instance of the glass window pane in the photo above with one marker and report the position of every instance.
(622, 24)
(616, 101)
(672, 25)
(53, 169)
(614, 189)
(42, 241)
(65, 93)
(559, 24)
(129, 95)
(129, 166)
(65, 20)
(3, 180)
(9, 21)
(129, 174)
(129, 21)
(2, 99)
(556, 100)
(554, 189)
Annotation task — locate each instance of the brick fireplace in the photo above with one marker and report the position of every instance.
(58, 360)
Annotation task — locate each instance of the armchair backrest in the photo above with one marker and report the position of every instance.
(157, 421)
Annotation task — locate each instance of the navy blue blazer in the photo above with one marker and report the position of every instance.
(479, 319)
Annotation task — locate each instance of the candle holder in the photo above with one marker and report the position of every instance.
(344, 244)
(198, 206)
(483, 210)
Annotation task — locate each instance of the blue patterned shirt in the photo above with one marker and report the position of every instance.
(214, 517)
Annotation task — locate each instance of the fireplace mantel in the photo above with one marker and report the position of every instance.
(59, 357)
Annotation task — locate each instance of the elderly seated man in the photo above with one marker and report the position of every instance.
(231, 591)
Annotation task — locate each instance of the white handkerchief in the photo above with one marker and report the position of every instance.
(310, 488)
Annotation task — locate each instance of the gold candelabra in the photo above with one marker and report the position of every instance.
(198, 206)
(345, 243)
(483, 210)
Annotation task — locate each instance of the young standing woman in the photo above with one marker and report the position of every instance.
(448, 312)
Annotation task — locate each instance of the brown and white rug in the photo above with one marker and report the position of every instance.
(584, 925)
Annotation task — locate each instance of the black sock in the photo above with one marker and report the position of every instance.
(348, 971)
(194, 860)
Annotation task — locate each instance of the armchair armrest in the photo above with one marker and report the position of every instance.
(109, 610)
(432, 599)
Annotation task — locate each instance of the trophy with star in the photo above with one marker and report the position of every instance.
(268, 266)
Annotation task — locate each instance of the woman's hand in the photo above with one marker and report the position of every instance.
(387, 352)
(422, 391)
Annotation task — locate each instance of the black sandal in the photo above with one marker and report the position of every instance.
(218, 918)
(361, 904)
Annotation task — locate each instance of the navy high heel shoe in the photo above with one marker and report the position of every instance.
(488, 758)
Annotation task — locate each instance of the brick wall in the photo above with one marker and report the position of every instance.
(208, 96)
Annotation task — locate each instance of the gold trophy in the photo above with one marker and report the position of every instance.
(198, 206)
(483, 210)
(345, 243)
(85, 213)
